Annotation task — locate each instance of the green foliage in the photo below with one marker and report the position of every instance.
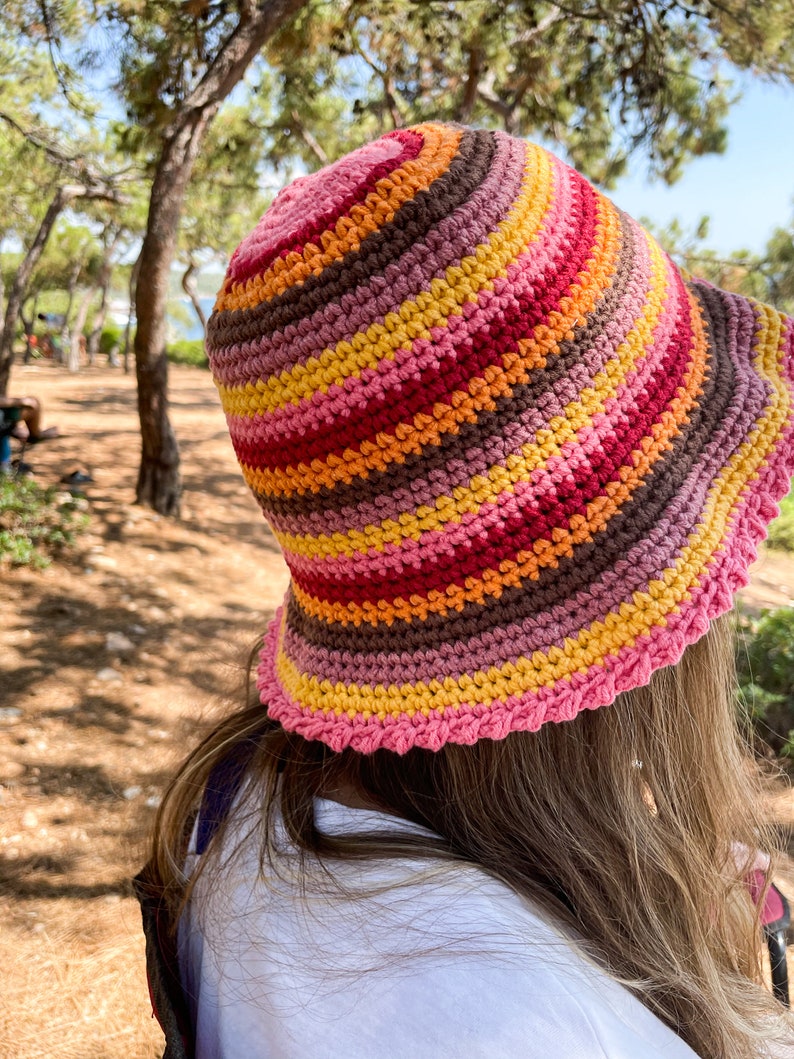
(223, 200)
(765, 665)
(111, 336)
(188, 351)
(781, 531)
(36, 524)
(768, 276)
(599, 80)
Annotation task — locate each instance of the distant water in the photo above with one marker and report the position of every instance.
(182, 319)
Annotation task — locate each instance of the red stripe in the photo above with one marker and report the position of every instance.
(520, 533)
(419, 393)
(313, 229)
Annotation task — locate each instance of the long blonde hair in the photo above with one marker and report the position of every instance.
(632, 827)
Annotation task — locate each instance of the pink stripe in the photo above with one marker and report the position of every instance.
(450, 240)
(357, 392)
(598, 686)
(526, 499)
(331, 191)
(644, 563)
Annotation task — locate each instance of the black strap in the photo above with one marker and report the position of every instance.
(168, 999)
(222, 787)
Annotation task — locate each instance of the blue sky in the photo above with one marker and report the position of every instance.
(746, 192)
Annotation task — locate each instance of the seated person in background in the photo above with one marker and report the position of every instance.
(29, 425)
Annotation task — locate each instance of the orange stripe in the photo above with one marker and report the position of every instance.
(378, 209)
(581, 528)
(464, 405)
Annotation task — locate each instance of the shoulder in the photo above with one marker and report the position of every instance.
(423, 959)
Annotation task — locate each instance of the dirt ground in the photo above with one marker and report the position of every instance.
(109, 662)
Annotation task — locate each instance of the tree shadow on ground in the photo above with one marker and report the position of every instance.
(108, 400)
(90, 782)
(47, 876)
(105, 402)
(94, 711)
(68, 635)
(228, 488)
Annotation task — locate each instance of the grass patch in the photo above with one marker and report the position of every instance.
(36, 524)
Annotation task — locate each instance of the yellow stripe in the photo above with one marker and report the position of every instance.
(527, 564)
(603, 638)
(518, 467)
(462, 405)
(431, 308)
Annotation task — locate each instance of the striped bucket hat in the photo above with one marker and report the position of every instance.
(515, 459)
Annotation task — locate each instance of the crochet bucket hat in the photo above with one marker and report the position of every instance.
(515, 459)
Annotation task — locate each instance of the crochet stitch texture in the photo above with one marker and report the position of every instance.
(515, 460)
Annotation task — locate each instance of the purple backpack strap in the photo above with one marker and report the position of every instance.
(169, 1003)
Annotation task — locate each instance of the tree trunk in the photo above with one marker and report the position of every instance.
(103, 284)
(77, 328)
(2, 295)
(159, 482)
(62, 197)
(159, 479)
(189, 287)
(97, 326)
(28, 326)
(65, 336)
(135, 271)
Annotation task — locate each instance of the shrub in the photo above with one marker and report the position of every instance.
(36, 523)
(188, 351)
(781, 531)
(111, 337)
(765, 665)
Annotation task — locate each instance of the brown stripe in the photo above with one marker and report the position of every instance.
(490, 427)
(590, 560)
(410, 226)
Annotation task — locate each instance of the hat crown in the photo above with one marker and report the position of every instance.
(514, 460)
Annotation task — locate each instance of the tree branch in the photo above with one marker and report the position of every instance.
(473, 75)
(310, 141)
(256, 25)
(66, 91)
(91, 184)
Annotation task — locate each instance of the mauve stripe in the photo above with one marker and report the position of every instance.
(444, 245)
(644, 563)
(407, 366)
(599, 684)
(494, 437)
(334, 423)
(385, 391)
(410, 224)
(574, 464)
(520, 528)
(634, 521)
(493, 449)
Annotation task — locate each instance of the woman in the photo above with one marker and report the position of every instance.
(489, 799)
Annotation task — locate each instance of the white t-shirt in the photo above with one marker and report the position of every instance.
(438, 961)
